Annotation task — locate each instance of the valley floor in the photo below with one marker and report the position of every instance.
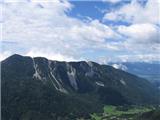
(127, 113)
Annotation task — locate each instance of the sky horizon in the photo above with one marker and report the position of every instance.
(102, 31)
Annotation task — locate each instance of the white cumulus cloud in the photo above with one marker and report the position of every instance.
(134, 12)
(41, 26)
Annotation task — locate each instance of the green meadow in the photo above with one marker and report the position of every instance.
(121, 112)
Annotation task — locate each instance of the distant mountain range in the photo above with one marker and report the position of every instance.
(41, 89)
(149, 71)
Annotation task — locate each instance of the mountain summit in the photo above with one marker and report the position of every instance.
(44, 89)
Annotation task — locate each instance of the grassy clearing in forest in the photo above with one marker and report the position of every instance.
(119, 112)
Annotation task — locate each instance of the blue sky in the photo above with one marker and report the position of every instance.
(102, 31)
(93, 9)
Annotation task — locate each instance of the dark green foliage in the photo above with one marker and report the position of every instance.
(152, 115)
(110, 96)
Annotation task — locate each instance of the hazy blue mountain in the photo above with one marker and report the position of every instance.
(41, 89)
(149, 71)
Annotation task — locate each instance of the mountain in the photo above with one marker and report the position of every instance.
(149, 71)
(41, 89)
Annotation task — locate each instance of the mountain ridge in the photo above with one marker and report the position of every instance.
(42, 81)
